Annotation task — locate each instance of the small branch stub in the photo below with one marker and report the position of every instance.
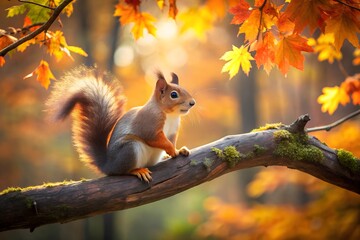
(298, 126)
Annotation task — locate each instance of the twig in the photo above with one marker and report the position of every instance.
(349, 5)
(342, 69)
(33, 34)
(261, 16)
(37, 4)
(334, 124)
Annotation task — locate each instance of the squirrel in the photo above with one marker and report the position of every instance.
(110, 140)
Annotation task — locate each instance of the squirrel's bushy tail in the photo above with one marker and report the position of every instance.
(95, 104)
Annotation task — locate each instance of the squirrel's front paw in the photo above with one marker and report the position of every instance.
(184, 151)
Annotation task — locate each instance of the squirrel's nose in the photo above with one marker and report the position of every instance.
(192, 103)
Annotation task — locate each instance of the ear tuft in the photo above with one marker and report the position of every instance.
(161, 83)
(174, 79)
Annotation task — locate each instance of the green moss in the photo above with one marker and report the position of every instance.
(208, 162)
(348, 160)
(258, 150)
(229, 155)
(296, 147)
(268, 126)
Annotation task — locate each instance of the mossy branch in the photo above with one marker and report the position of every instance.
(273, 145)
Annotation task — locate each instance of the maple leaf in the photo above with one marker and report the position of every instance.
(351, 86)
(344, 25)
(126, 13)
(2, 61)
(307, 13)
(238, 57)
(143, 21)
(43, 73)
(324, 45)
(288, 52)
(251, 26)
(265, 52)
(331, 98)
(241, 12)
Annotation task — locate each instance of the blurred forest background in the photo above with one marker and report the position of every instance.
(259, 203)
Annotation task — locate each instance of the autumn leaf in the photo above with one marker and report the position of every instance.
(324, 45)
(6, 40)
(331, 98)
(77, 50)
(173, 11)
(126, 13)
(238, 57)
(351, 86)
(265, 52)
(143, 21)
(22, 47)
(251, 26)
(307, 13)
(2, 61)
(241, 12)
(288, 52)
(344, 25)
(43, 73)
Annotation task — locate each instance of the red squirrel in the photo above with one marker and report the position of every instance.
(113, 142)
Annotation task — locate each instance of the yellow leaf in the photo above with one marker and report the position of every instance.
(77, 50)
(238, 57)
(324, 45)
(143, 21)
(2, 61)
(331, 98)
(43, 73)
(161, 4)
(22, 47)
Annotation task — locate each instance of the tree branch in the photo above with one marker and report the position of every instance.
(41, 29)
(334, 124)
(36, 206)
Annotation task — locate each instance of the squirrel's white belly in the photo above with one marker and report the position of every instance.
(149, 156)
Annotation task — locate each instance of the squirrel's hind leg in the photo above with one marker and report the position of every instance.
(142, 173)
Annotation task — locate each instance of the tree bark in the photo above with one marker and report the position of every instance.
(36, 206)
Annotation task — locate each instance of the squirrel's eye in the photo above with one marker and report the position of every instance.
(174, 94)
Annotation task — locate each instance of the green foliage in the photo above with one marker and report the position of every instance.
(16, 10)
(37, 14)
(296, 147)
(348, 160)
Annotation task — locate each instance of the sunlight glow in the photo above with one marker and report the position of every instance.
(124, 56)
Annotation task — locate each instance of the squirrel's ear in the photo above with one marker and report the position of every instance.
(174, 79)
(161, 83)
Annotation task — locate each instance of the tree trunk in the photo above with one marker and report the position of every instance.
(64, 202)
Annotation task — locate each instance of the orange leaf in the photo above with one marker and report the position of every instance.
(288, 52)
(172, 9)
(265, 52)
(143, 21)
(6, 40)
(345, 25)
(43, 73)
(356, 54)
(307, 13)
(352, 87)
(127, 13)
(331, 98)
(241, 12)
(251, 26)
(2, 61)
